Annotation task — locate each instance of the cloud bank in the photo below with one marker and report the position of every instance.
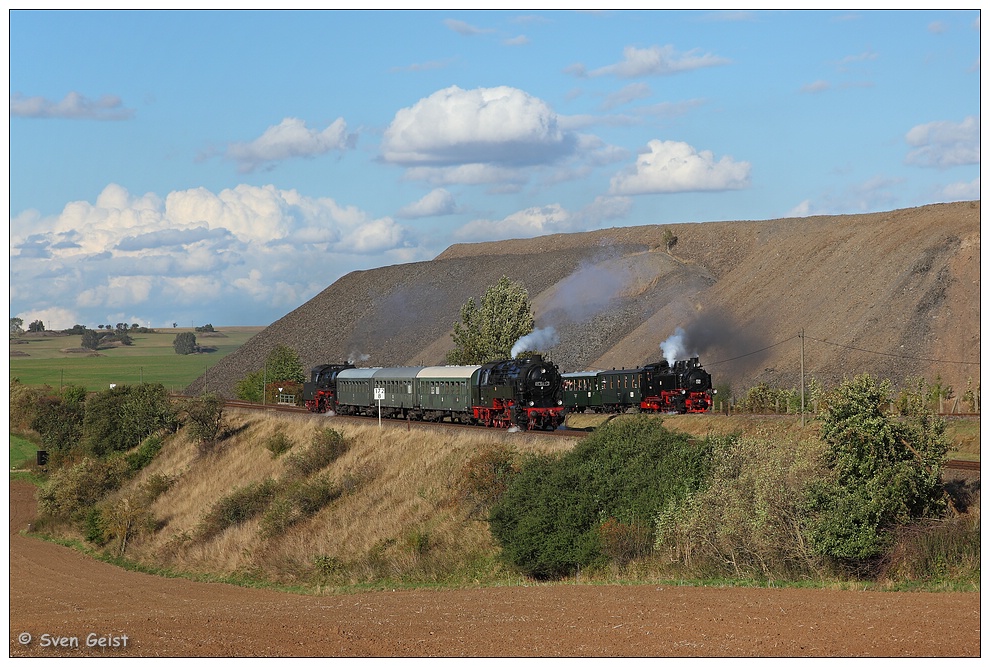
(194, 251)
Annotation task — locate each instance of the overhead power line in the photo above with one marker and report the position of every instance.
(889, 354)
(748, 354)
(848, 347)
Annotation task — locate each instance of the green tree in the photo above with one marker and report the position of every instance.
(185, 343)
(36, 326)
(16, 326)
(283, 364)
(669, 240)
(488, 333)
(882, 472)
(59, 421)
(119, 418)
(206, 420)
(249, 388)
(90, 339)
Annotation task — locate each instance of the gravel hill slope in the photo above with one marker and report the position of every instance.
(896, 294)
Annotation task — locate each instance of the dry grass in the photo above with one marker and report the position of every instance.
(399, 515)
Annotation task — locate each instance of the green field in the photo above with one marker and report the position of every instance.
(151, 358)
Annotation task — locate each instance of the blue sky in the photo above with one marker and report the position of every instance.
(225, 167)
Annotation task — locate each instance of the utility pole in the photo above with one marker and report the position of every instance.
(802, 378)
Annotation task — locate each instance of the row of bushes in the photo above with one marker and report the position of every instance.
(723, 505)
(73, 424)
(765, 399)
(281, 503)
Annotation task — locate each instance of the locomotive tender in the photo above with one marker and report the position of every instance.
(659, 387)
(521, 392)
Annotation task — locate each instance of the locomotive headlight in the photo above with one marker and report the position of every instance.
(714, 391)
(531, 404)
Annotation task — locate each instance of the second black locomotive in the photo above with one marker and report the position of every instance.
(658, 387)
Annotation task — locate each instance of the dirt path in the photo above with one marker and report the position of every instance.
(59, 596)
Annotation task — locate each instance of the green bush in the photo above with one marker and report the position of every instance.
(206, 421)
(297, 501)
(60, 425)
(881, 472)
(485, 478)
(746, 521)
(327, 446)
(145, 453)
(24, 400)
(249, 388)
(237, 507)
(71, 492)
(278, 444)
(119, 418)
(548, 522)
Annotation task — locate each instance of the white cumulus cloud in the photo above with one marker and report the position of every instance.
(945, 143)
(675, 166)
(244, 248)
(500, 126)
(436, 202)
(290, 139)
(542, 220)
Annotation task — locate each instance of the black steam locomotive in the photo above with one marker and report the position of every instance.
(526, 393)
(659, 387)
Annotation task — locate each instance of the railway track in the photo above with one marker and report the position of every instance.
(955, 464)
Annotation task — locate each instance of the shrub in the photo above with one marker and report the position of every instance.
(327, 446)
(72, 492)
(24, 400)
(60, 425)
(764, 399)
(278, 444)
(881, 473)
(548, 520)
(119, 418)
(936, 551)
(249, 388)
(123, 520)
(298, 501)
(486, 476)
(206, 420)
(624, 542)
(418, 541)
(145, 453)
(156, 485)
(237, 507)
(746, 521)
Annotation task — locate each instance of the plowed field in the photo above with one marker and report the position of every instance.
(63, 603)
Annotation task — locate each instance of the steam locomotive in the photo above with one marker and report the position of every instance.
(526, 393)
(659, 387)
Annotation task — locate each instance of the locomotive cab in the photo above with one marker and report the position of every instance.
(320, 391)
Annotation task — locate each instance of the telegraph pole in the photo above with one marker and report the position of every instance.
(802, 377)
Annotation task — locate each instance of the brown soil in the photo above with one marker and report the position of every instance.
(56, 592)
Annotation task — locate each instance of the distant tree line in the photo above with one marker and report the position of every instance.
(17, 327)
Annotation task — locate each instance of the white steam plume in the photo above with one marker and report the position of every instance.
(539, 339)
(357, 357)
(673, 347)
